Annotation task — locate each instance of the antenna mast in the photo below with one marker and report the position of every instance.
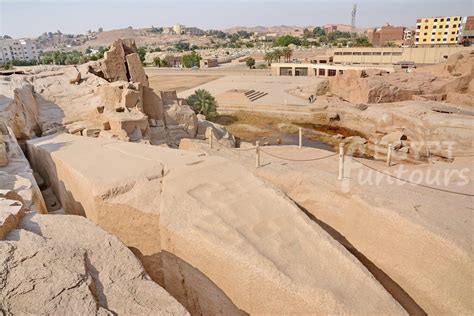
(353, 22)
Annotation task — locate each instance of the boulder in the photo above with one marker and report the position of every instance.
(394, 139)
(130, 128)
(182, 116)
(135, 69)
(114, 63)
(3, 154)
(169, 97)
(11, 211)
(152, 104)
(131, 99)
(83, 268)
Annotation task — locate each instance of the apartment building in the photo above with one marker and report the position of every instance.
(441, 30)
(467, 34)
(387, 33)
(22, 49)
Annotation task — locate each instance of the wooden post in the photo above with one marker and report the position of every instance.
(257, 154)
(341, 161)
(300, 142)
(210, 139)
(389, 155)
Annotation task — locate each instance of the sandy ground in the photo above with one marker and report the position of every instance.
(417, 240)
(178, 82)
(275, 86)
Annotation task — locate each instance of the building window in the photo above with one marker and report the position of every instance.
(367, 53)
(347, 53)
(455, 19)
(426, 27)
(321, 72)
(444, 40)
(453, 32)
(418, 26)
(442, 20)
(448, 19)
(376, 53)
(387, 53)
(434, 26)
(445, 33)
(426, 21)
(341, 72)
(424, 40)
(331, 72)
(357, 53)
(396, 53)
(439, 39)
(426, 33)
(436, 20)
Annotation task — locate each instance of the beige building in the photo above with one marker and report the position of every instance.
(389, 55)
(208, 63)
(318, 70)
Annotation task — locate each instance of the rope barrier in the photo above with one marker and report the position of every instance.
(410, 182)
(298, 160)
(237, 150)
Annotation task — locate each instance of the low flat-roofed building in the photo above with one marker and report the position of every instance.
(321, 59)
(318, 70)
(208, 63)
(392, 55)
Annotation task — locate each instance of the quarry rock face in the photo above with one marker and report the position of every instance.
(269, 259)
(430, 82)
(90, 271)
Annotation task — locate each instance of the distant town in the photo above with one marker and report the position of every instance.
(183, 46)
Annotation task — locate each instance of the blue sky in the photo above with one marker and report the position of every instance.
(21, 18)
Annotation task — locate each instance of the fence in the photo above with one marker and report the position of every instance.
(258, 152)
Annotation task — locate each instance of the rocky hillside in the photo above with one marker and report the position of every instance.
(451, 81)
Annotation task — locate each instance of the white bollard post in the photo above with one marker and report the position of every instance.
(341, 161)
(257, 154)
(300, 143)
(389, 155)
(210, 139)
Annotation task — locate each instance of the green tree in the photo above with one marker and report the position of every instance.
(318, 31)
(141, 53)
(203, 102)
(362, 42)
(250, 62)
(157, 61)
(390, 44)
(286, 40)
(191, 60)
(182, 46)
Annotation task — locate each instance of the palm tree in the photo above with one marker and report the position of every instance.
(277, 54)
(203, 102)
(269, 57)
(287, 53)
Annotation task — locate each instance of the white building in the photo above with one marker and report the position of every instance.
(407, 35)
(178, 29)
(10, 50)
